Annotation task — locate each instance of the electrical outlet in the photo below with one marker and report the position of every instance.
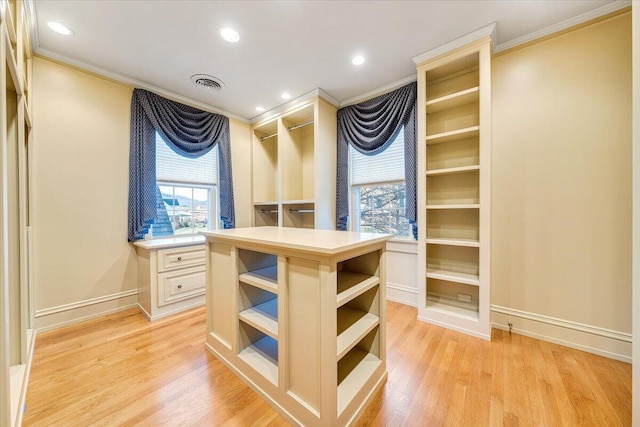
(464, 298)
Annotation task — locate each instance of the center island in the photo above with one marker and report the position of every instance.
(299, 315)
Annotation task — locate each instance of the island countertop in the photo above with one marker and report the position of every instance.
(325, 242)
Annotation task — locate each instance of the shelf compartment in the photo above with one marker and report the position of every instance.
(297, 140)
(453, 224)
(357, 367)
(451, 306)
(455, 206)
(452, 276)
(439, 138)
(264, 278)
(265, 163)
(259, 351)
(353, 326)
(265, 214)
(263, 317)
(298, 215)
(460, 153)
(448, 171)
(352, 284)
(470, 243)
(456, 99)
(453, 189)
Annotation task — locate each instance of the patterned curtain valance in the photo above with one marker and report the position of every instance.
(190, 132)
(370, 127)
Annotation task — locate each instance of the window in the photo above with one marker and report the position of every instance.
(187, 196)
(378, 193)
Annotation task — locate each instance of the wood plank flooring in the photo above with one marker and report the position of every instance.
(123, 370)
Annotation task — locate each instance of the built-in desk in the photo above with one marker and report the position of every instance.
(299, 315)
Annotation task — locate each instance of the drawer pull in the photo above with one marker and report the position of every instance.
(179, 286)
(179, 258)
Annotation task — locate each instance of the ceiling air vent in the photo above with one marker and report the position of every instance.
(204, 81)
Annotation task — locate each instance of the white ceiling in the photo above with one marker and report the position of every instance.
(293, 46)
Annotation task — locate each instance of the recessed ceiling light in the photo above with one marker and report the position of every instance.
(260, 109)
(357, 60)
(59, 28)
(229, 34)
(285, 96)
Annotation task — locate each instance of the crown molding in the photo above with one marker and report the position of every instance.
(480, 33)
(379, 91)
(293, 104)
(136, 83)
(603, 10)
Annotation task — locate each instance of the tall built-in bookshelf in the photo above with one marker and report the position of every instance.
(454, 187)
(294, 163)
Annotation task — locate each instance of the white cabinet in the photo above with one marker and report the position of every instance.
(299, 315)
(454, 188)
(171, 275)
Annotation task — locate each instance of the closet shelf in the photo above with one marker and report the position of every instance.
(451, 306)
(353, 325)
(353, 372)
(456, 206)
(453, 100)
(267, 203)
(352, 285)
(453, 135)
(447, 171)
(262, 356)
(452, 276)
(263, 317)
(298, 202)
(263, 278)
(469, 243)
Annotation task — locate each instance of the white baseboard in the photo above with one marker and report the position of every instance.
(68, 314)
(593, 339)
(402, 294)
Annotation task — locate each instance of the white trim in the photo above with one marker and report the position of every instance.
(567, 324)
(85, 318)
(480, 33)
(570, 344)
(563, 25)
(294, 104)
(379, 91)
(408, 295)
(135, 83)
(79, 304)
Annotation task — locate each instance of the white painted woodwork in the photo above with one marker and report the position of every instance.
(171, 275)
(294, 160)
(454, 188)
(300, 316)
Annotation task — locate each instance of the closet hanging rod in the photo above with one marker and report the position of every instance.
(269, 210)
(301, 125)
(302, 210)
(273, 135)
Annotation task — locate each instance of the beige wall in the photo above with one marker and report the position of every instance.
(80, 193)
(636, 214)
(561, 220)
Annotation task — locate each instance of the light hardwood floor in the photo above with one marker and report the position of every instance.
(122, 370)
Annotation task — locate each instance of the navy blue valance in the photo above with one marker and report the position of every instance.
(189, 132)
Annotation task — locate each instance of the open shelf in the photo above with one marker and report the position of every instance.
(470, 243)
(353, 326)
(447, 171)
(264, 278)
(439, 138)
(299, 215)
(453, 100)
(263, 317)
(452, 276)
(262, 355)
(452, 306)
(354, 369)
(455, 206)
(352, 285)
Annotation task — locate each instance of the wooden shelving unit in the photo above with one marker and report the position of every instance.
(300, 315)
(293, 158)
(454, 128)
(17, 336)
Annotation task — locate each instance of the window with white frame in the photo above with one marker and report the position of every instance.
(378, 193)
(187, 191)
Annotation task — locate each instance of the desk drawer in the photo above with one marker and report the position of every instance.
(175, 258)
(180, 285)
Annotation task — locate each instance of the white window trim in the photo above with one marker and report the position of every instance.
(214, 204)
